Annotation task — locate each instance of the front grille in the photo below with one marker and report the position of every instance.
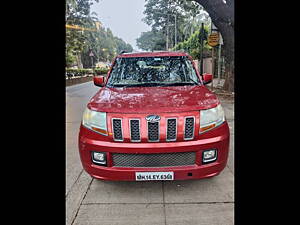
(117, 129)
(189, 128)
(171, 129)
(153, 131)
(132, 129)
(135, 130)
(154, 160)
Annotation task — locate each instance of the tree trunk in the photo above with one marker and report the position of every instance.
(222, 16)
(78, 57)
(229, 77)
(228, 37)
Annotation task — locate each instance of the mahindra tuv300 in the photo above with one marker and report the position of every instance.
(153, 119)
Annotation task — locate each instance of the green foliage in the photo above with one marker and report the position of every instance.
(189, 16)
(70, 72)
(101, 71)
(151, 40)
(192, 44)
(80, 43)
(70, 59)
(78, 72)
(122, 45)
(104, 46)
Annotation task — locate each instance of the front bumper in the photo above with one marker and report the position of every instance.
(217, 138)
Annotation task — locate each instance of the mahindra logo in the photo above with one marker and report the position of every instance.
(152, 118)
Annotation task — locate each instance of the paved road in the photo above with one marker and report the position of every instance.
(90, 201)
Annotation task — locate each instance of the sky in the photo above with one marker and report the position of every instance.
(123, 17)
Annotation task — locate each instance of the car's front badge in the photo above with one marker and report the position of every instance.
(153, 118)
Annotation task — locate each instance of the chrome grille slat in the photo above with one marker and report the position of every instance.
(171, 129)
(154, 160)
(117, 129)
(135, 130)
(189, 127)
(153, 131)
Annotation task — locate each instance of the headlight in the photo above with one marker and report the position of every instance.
(211, 118)
(95, 121)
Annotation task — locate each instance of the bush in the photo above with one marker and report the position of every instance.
(78, 72)
(100, 71)
(84, 72)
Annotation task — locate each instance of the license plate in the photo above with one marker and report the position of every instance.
(139, 176)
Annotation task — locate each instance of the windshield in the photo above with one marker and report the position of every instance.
(152, 71)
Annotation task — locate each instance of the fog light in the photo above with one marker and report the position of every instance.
(209, 155)
(99, 158)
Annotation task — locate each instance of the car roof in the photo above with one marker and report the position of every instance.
(152, 54)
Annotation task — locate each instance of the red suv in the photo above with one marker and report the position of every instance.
(153, 119)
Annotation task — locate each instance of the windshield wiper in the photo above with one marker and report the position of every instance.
(195, 82)
(146, 84)
(179, 84)
(115, 85)
(136, 85)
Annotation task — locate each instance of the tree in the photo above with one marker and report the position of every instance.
(77, 13)
(222, 15)
(192, 44)
(79, 43)
(151, 40)
(194, 22)
(160, 15)
(122, 45)
(104, 45)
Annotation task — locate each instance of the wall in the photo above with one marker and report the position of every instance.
(207, 65)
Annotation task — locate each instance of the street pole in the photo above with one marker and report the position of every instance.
(212, 59)
(219, 63)
(219, 59)
(201, 52)
(92, 55)
(213, 66)
(167, 42)
(213, 28)
(175, 32)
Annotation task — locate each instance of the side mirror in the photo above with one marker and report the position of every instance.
(99, 81)
(207, 78)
